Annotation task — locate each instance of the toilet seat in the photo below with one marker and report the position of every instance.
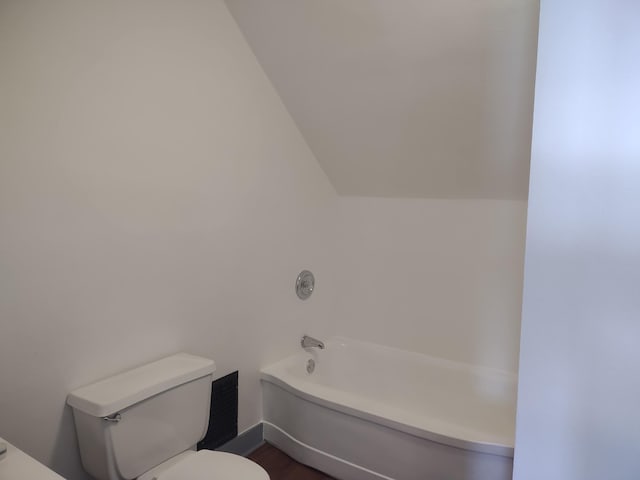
(210, 465)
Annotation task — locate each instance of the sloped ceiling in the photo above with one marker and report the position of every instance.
(405, 98)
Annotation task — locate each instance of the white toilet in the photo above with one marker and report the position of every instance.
(144, 424)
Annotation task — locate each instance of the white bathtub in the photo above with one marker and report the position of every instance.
(373, 412)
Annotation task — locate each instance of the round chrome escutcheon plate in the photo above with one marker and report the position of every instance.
(305, 283)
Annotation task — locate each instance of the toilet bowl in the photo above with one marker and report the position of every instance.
(144, 424)
(208, 465)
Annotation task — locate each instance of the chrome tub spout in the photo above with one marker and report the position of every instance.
(310, 342)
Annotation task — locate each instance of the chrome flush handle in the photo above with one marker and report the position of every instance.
(115, 418)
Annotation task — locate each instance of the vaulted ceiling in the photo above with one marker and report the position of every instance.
(405, 98)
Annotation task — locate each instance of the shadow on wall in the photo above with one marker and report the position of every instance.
(65, 458)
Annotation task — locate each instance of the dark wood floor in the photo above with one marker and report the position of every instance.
(280, 466)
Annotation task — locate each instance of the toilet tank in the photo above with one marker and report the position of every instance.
(134, 421)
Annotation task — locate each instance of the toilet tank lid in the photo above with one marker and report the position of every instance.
(113, 394)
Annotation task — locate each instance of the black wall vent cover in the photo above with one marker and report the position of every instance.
(223, 418)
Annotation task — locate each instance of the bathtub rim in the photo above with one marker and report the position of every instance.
(270, 374)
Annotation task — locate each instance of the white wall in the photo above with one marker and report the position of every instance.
(155, 196)
(442, 277)
(411, 98)
(580, 360)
